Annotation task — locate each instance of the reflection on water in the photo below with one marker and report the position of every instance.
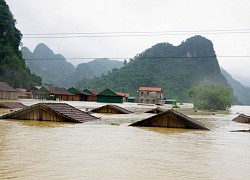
(98, 150)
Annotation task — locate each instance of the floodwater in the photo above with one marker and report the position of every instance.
(110, 149)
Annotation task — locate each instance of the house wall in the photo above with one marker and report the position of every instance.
(150, 97)
(92, 98)
(110, 99)
(8, 95)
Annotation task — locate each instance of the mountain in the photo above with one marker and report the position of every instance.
(55, 70)
(12, 67)
(94, 68)
(240, 91)
(175, 68)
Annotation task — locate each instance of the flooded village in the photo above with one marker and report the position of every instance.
(118, 139)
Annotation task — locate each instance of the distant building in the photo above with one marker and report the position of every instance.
(151, 95)
(7, 92)
(109, 96)
(54, 93)
(90, 95)
(78, 94)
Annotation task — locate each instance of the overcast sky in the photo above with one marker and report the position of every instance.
(102, 16)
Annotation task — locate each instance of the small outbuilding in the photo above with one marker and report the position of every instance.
(58, 112)
(171, 119)
(111, 109)
(109, 96)
(8, 92)
(242, 118)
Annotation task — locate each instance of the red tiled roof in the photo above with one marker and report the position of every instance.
(5, 87)
(123, 94)
(157, 89)
(93, 91)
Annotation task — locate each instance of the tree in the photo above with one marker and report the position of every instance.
(211, 96)
(12, 67)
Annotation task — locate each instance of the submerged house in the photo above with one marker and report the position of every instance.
(111, 109)
(151, 95)
(12, 105)
(7, 92)
(90, 95)
(242, 118)
(171, 119)
(54, 93)
(109, 96)
(58, 112)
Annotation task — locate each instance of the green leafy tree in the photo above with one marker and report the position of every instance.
(12, 67)
(211, 96)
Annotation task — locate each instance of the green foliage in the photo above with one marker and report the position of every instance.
(211, 96)
(12, 67)
(164, 65)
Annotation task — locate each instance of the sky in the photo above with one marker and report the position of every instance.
(121, 29)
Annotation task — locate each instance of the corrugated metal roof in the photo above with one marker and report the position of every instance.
(156, 89)
(11, 105)
(105, 109)
(5, 87)
(70, 113)
(123, 94)
(175, 116)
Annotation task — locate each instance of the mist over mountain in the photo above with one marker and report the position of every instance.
(175, 68)
(241, 92)
(55, 70)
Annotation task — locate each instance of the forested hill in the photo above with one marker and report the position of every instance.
(12, 67)
(241, 92)
(53, 68)
(175, 68)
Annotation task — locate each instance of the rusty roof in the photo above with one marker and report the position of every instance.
(65, 111)
(156, 89)
(123, 94)
(6, 87)
(93, 91)
(106, 109)
(57, 90)
(176, 116)
(11, 105)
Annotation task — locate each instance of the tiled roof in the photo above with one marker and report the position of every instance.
(242, 118)
(171, 119)
(156, 89)
(93, 91)
(11, 105)
(5, 87)
(57, 90)
(113, 109)
(66, 112)
(123, 94)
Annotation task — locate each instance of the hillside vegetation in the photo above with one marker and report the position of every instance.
(175, 68)
(12, 67)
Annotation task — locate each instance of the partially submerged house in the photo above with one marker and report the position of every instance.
(171, 119)
(78, 94)
(109, 96)
(151, 95)
(23, 93)
(111, 109)
(90, 95)
(124, 95)
(7, 92)
(54, 93)
(59, 112)
(242, 118)
(12, 105)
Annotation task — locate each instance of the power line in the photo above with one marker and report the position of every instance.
(132, 33)
(123, 58)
